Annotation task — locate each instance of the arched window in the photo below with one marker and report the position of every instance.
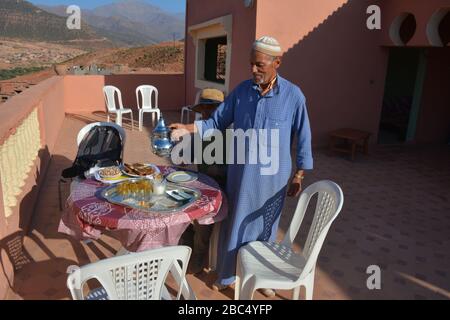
(402, 29)
(438, 28)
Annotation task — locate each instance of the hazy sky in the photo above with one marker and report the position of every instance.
(168, 5)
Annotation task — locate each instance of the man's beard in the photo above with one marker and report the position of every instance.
(259, 80)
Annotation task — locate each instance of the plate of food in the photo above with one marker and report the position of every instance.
(111, 174)
(182, 176)
(140, 170)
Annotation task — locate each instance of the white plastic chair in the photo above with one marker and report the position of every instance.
(276, 265)
(110, 93)
(134, 276)
(186, 110)
(145, 93)
(88, 127)
(83, 131)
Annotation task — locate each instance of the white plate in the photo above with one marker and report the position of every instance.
(109, 181)
(148, 176)
(181, 176)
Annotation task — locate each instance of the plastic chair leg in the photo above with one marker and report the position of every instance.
(296, 293)
(184, 112)
(309, 285)
(213, 247)
(248, 288)
(141, 120)
(132, 120)
(122, 251)
(309, 292)
(238, 283)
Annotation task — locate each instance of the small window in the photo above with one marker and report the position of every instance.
(215, 59)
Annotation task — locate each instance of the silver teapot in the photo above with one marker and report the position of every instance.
(161, 142)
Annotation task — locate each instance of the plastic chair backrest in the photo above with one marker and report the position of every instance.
(197, 97)
(134, 276)
(144, 93)
(83, 131)
(329, 203)
(109, 93)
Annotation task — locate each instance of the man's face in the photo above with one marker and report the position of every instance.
(264, 67)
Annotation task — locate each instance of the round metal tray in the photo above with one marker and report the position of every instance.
(152, 202)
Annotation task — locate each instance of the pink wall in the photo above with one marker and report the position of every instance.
(434, 117)
(170, 88)
(84, 93)
(422, 11)
(292, 20)
(47, 96)
(243, 35)
(329, 53)
(333, 58)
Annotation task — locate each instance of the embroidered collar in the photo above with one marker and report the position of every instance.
(274, 84)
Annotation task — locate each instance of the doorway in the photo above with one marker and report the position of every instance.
(402, 95)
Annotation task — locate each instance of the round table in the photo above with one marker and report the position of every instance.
(87, 215)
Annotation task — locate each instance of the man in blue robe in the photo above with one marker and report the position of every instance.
(256, 193)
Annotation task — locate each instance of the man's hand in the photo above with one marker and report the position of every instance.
(296, 185)
(179, 130)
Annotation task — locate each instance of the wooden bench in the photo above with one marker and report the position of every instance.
(354, 140)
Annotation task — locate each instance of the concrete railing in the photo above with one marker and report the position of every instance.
(29, 127)
(17, 155)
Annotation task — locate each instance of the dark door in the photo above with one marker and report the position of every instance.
(402, 95)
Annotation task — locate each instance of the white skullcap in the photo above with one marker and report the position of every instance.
(268, 45)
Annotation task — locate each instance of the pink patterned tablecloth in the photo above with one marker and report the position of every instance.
(87, 215)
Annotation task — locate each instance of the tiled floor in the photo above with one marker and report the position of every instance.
(396, 216)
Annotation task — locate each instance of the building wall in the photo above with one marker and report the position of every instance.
(434, 118)
(292, 20)
(422, 11)
(332, 56)
(243, 35)
(433, 124)
(84, 93)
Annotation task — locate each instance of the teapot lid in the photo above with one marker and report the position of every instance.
(161, 126)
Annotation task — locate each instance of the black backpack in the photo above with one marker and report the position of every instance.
(101, 146)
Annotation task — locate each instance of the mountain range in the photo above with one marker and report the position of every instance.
(21, 19)
(130, 23)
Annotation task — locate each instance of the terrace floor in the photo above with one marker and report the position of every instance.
(396, 215)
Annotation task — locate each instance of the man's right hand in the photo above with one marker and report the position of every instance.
(179, 130)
